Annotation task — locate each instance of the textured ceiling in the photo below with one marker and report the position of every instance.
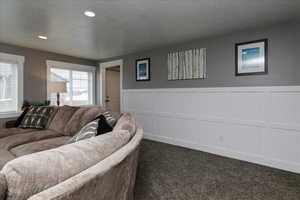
(126, 26)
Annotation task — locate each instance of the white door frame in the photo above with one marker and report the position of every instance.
(102, 87)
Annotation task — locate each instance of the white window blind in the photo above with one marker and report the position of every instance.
(11, 83)
(80, 84)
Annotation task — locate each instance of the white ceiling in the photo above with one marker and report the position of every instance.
(125, 26)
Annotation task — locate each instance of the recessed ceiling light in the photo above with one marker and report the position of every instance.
(43, 37)
(89, 13)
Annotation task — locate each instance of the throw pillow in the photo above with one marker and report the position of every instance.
(88, 131)
(103, 125)
(21, 117)
(111, 120)
(37, 117)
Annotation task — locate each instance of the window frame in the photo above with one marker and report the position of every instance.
(73, 67)
(19, 60)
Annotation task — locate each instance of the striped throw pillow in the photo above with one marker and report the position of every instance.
(88, 131)
(110, 119)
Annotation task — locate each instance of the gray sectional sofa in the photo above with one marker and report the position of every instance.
(39, 165)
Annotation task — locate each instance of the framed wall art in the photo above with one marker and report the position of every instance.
(251, 58)
(143, 69)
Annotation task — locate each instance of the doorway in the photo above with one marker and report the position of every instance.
(111, 85)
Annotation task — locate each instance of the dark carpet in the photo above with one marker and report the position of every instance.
(167, 172)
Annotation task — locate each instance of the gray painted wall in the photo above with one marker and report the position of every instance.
(284, 69)
(35, 69)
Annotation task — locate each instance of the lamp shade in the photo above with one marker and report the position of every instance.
(58, 87)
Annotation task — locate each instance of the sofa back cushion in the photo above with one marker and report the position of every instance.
(31, 174)
(55, 110)
(81, 117)
(126, 122)
(37, 117)
(61, 118)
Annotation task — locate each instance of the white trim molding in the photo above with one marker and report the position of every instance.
(71, 66)
(102, 88)
(12, 58)
(255, 124)
(19, 60)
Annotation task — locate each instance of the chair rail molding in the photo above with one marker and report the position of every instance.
(255, 124)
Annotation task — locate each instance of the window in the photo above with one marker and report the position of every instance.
(11, 83)
(80, 82)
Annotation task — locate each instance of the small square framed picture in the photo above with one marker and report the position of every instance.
(143, 69)
(251, 58)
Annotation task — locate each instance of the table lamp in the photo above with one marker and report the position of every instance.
(58, 87)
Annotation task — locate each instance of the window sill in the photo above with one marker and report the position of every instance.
(7, 115)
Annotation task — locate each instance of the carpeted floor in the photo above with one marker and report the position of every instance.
(168, 172)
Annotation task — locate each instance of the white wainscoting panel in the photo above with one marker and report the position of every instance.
(255, 124)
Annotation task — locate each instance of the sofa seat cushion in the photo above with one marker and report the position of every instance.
(4, 132)
(80, 118)
(61, 118)
(38, 146)
(5, 157)
(16, 140)
(31, 174)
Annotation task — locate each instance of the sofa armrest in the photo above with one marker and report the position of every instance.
(111, 179)
(10, 124)
(3, 187)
